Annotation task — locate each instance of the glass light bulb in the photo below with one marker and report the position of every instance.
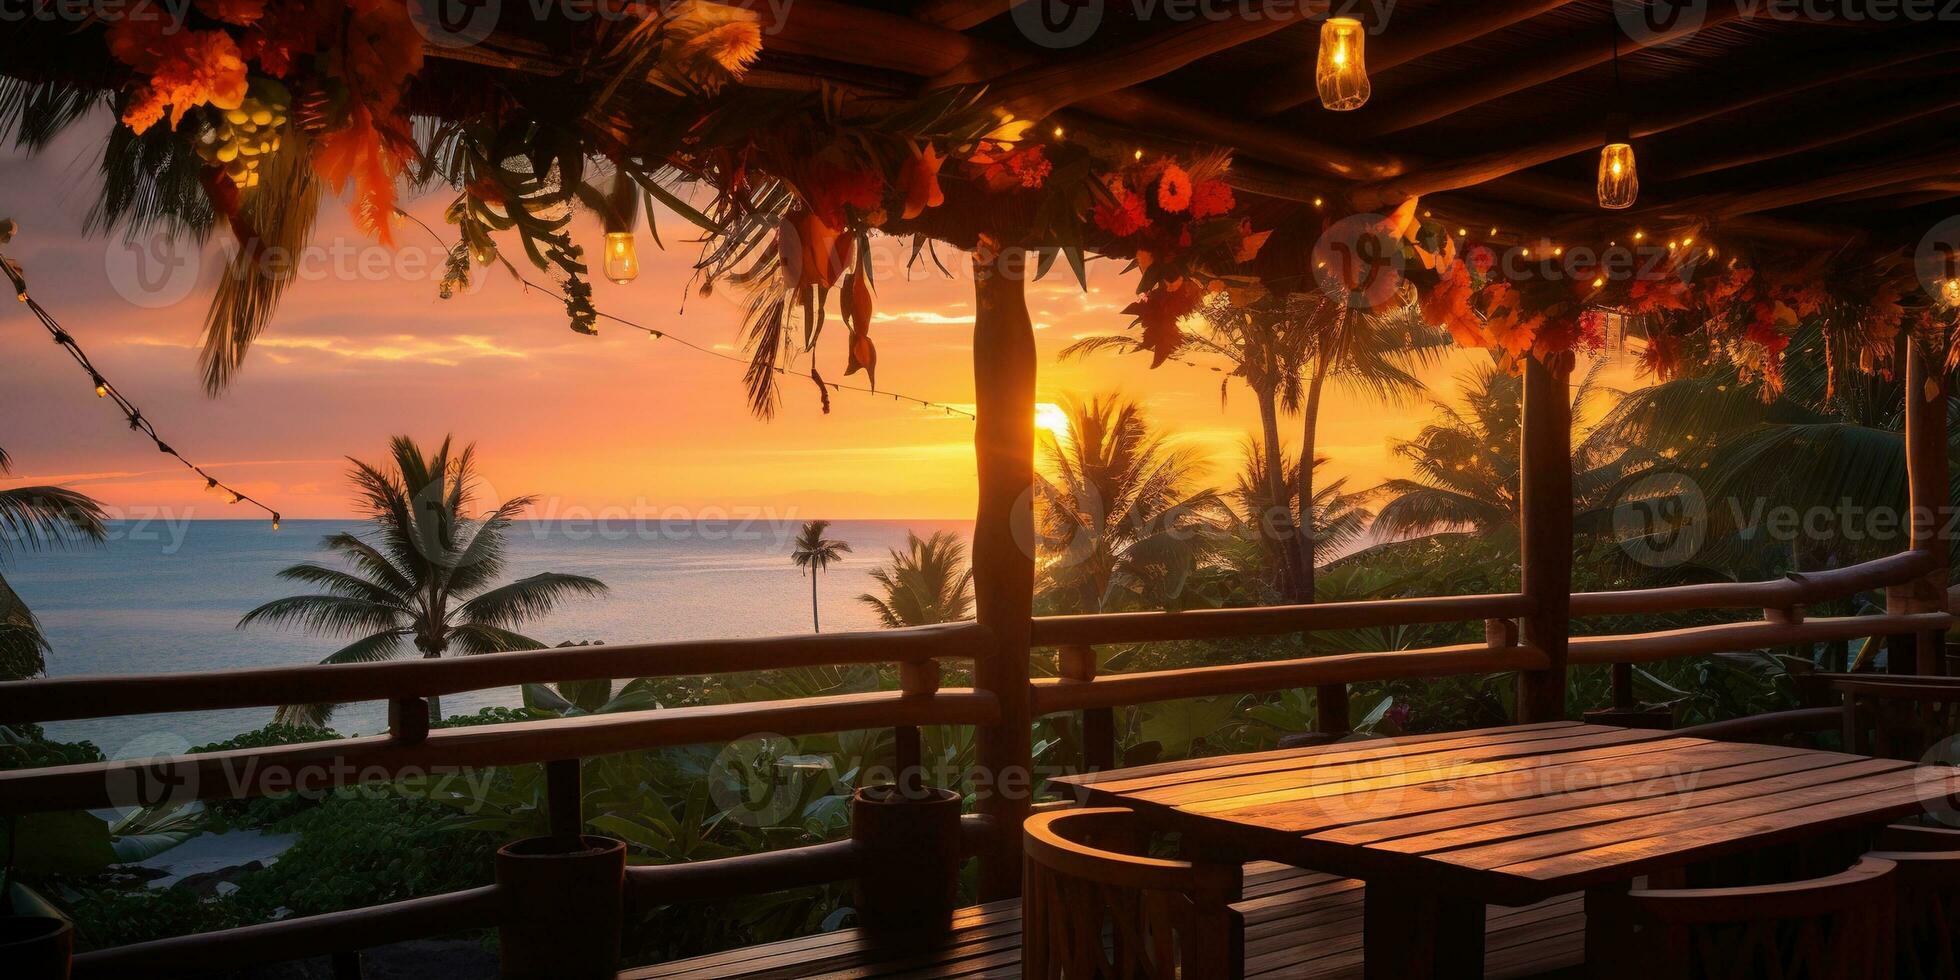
(622, 260)
(1619, 178)
(1341, 73)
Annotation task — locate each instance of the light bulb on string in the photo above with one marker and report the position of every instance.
(1341, 70)
(1618, 184)
(101, 386)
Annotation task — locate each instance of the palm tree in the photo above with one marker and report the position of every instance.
(424, 578)
(1828, 434)
(1285, 348)
(815, 553)
(1467, 460)
(929, 582)
(1339, 517)
(1374, 355)
(36, 518)
(1123, 515)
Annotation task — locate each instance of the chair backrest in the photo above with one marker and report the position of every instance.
(1835, 928)
(1928, 889)
(1091, 912)
(1896, 716)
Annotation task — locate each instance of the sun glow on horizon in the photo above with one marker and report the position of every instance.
(1049, 418)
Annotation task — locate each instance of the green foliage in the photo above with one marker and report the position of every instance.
(366, 848)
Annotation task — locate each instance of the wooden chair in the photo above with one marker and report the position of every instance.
(1896, 716)
(1928, 877)
(1835, 928)
(1089, 912)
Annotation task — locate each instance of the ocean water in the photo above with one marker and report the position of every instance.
(159, 598)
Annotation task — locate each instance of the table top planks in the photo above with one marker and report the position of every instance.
(1518, 814)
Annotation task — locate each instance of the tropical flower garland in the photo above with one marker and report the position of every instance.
(1694, 306)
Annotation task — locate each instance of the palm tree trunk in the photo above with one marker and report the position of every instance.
(1278, 518)
(814, 625)
(435, 701)
(1310, 425)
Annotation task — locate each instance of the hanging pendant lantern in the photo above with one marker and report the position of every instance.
(1341, 72)
(1619, 179)
(622, 264)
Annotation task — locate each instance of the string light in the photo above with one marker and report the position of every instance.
(654, 333)
(1058, 132)
(103, 389)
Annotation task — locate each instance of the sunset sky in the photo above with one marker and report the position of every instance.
(363, 349)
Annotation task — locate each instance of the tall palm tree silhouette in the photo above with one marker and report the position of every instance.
(426, 578)
(815, 553)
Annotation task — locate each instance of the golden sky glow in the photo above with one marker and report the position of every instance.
(619, 424)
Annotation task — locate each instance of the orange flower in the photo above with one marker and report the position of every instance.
(196, 68)
(857, 315)
(918, 181)
(813, 252)
(1174, 189)
(1447, 305)
(139, 42)
(1507, 323)
(370, 153)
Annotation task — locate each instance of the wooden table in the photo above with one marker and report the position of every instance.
(1440, 825)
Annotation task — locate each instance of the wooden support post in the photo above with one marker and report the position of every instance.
(1003, 548)
(1098, 727)
(1928, 496)
(915, 680)
(1545, 525)
(564, 800)
(1330, 717)
(1623, 699)
(560, 907)
(408, 720)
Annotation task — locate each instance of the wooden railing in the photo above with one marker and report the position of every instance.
(410, 747)
(1527, 632)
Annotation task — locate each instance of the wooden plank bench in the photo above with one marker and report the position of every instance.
(1299, 925)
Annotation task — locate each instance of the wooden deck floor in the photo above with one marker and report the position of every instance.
(1299, 925)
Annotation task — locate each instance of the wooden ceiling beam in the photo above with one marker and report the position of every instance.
(1924, 166)
(1039, 89)
(1391, 48)
(1550, 63)
(958, 15)
(1799, 77)
(1843, 127)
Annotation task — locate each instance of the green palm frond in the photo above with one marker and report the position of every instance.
(280, 211)
(331, 615)
(40, 517)
(507, 605)
(926, 583)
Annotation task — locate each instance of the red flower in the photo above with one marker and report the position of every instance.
(240, 13)
(1124, 217)
(1174, 189)
(1210, 198)
(1159, 310)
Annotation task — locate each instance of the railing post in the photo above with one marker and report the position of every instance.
(1928, 498)
(1098, 726)
(564, 800)
(1003, 548)
(1545, 531)
(915, 680)
(408, 720)
(1330, 717)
